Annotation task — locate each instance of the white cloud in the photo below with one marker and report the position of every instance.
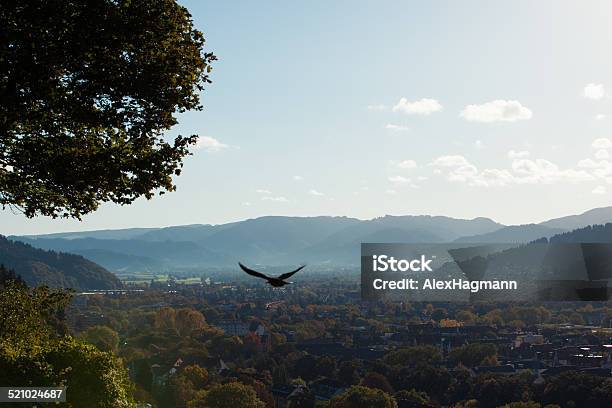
(396, 128)
(449, 161)
(602, 143)
(298, 178)
(422, 178)
(277, 199)
(425, 106)
(599, 190)
(377, 108)
(496, 111)
(210, 144)
(512, 154)
(601, 169)
(594, 91)
(407, 164)
(602, 154)
(262, 191)
(588, 164)
(399, 179)
(478, 144)
(600, 116)
(246, 204)
(391, 192)
(544, 171)
(315, 193)
(522, 171)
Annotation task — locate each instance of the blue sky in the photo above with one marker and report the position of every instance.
(459, 108)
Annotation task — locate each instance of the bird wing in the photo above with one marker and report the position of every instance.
(252, 272)
(289, 274)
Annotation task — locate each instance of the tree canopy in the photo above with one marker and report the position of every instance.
(33, 352)
(233, 394)
(87, 91)
(363, 397)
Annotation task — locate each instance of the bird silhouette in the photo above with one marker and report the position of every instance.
(277, 282)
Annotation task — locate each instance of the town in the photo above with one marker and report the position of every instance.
(312, 342)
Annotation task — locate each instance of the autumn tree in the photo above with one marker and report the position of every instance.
(34, 353)
(230, 395)
(104, 338)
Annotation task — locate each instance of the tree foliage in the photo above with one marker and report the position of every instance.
(363, 397)
(104, 338)
(91, 377)
(29, 317)
(230, 395)
(87, 90)
(34, 351)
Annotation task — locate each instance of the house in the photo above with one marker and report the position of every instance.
(529, 339)
(326, 388)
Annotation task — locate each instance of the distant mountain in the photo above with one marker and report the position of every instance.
(126, 233)
(513, 233)
(266, 240)
(134, 254)
(595, 216)
(56, 269)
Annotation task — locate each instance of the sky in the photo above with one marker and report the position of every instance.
(361, 109)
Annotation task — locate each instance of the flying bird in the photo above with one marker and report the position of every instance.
(277, 282)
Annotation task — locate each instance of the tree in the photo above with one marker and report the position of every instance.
(378, 381)
(348, 372)
(326, 366)
(230, 395)
(93, 378)
(33, 353)
(412, 399)
(196, 374)
(188, 320)
(424, 377)
(411, 356)
(8, 275)
(473, 354)
(580, 389)
(29, 317)
(104, 338)
(86, 93)
(363, 397)
(439, 313)
(306, 367)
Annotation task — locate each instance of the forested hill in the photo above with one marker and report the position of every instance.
(56, 269)
(590, 234)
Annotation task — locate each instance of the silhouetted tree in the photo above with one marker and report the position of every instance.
(86, 93)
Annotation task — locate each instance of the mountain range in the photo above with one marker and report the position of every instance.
(276, 240)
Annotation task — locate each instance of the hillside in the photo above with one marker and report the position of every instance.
(513, 233)
(56, 269)
(595, 216)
